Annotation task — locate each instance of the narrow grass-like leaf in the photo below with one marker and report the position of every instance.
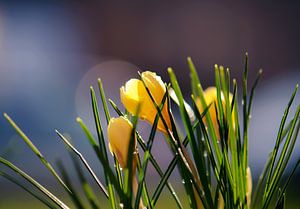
(18, 171)
(275, 151)
(74, 196)
(242, 173)
(288, 147)
(200, 93)
(283, 159)
(102, 147)
(145, 193)
(100, 156)
(186, 166)
(88, 191)
(191, 137)
(115, 107)
(224, 123)
(194, 77)
(36, 151)
(83, 160)
(151, 158)
(245, 112)
(280, 204)
(288, 180)
(258, 77)
(177, 148)
(172, 165)
(206, 140)
(107, 116)
(220, 115)
(143, 170)
(264, 173)
(103, 99)
(260, 182)
(184, 115)
(129, 171)
(27, 189)
(225, 83)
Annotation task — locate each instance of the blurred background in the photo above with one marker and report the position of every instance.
(52, 51)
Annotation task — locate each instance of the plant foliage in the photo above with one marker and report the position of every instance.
(212, 160)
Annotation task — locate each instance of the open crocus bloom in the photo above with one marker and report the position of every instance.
(119, 135)
(134, 93)
(210, 95)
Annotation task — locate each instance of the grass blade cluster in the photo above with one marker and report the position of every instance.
(211, 152)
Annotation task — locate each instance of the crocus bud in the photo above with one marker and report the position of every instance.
(119, 132)
(210, 96)
(119, 135)
(134, 93)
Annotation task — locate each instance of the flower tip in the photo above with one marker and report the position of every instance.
(148, 74)
(78, 119)
(122, 89)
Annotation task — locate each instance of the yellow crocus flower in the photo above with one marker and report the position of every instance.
(134, 93)
(210, 96)
(119, 135)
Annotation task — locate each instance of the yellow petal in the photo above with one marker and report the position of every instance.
(210, 96)
(119, 134)
(157, 89)
(155, 85)
(130, 95)
(135, 93)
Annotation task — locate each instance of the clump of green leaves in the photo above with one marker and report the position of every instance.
(214, 173)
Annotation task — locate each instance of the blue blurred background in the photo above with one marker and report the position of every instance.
(52, 51)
